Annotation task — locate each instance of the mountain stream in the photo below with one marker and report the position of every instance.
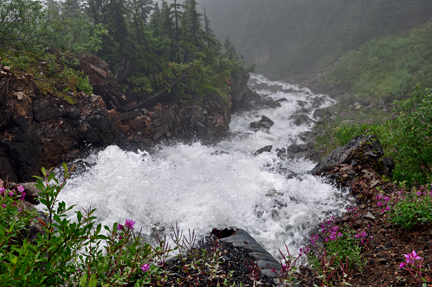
(224, 185)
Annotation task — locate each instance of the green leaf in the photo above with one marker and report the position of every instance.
(83, 280)
(65, 169)
(93, 281)
(13, 259)
(44, 171)
(11, 227)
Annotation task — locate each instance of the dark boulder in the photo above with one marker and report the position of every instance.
(272, 103)
(264, 124)
(317, 102)
(264, 149)
(360, 153)
(321, 113)
(300, 119)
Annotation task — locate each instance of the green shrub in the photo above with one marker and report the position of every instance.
(408, 138)
(76, 253)
(409, 209)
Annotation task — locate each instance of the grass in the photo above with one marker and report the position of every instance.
(386, 67)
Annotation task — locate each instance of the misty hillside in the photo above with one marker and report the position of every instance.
(292, 39)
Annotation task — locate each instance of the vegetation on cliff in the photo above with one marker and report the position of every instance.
(149, 48)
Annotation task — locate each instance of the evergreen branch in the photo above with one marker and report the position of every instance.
(141, 103)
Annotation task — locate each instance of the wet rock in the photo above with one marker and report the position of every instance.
(282, 153)
(264, 124)
(203, 131)
(301, 119)
(44, 110)
(267, 121)
(259, 126)
(364, 150)
(264, 149)
(301, 103)
(321, 113)
(317, 102)
(272, 103)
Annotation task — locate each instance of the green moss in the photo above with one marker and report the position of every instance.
(47, 70)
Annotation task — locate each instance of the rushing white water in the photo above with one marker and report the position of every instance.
(203, 187)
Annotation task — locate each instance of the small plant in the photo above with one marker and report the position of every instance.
(409, 209)
(341, 253)
(413, 266)
(288, 265)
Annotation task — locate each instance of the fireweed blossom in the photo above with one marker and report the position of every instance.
(411, 257)
(129, 223)
(145, 267)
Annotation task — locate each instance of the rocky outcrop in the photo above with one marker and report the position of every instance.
(43, 129)
(178, 120)
(363, 154)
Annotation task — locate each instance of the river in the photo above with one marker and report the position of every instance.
(201, 187)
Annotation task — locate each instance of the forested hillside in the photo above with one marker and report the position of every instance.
(291, 39)
(148, 47)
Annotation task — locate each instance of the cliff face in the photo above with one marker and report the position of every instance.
(38, 130)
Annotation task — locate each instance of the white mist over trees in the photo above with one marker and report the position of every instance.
(292, 38)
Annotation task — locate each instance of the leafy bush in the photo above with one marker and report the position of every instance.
(75, 252)
(409, 209)
(408, 138)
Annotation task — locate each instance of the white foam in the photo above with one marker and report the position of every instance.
(203, 187)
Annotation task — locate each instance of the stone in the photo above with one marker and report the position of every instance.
(369, 216)
(19, 95)
(264, 149)
(264, 124)
(300, 119)
(203, 131)
(44, 110)
(32, 192)
(99, 71)
(321, 113)
(383, 261)
(358, 149)
(267, 121)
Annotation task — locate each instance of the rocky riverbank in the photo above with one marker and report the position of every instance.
(43, 129)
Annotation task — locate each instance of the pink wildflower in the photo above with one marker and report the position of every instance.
(411, 257)
(129, 223)
(145, 267)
